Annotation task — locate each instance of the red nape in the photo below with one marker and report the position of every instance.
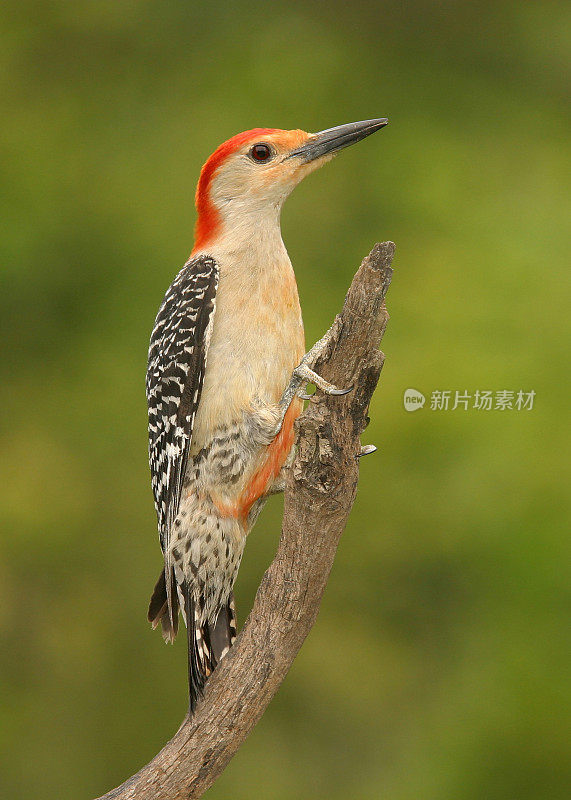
(208, 219)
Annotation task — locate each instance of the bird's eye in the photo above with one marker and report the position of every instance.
(260, 152)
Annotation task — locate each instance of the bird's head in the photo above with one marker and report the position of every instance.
(250, 175)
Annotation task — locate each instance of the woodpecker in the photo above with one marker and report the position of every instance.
(225, 374)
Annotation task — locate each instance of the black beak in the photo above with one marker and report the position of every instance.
(333, 139)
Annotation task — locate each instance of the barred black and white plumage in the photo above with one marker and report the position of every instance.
(175, 375)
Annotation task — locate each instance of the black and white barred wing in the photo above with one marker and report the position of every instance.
(175, 374)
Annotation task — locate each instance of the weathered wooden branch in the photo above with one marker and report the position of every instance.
(320, 493)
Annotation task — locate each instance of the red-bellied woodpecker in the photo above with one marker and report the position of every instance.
(226, 366)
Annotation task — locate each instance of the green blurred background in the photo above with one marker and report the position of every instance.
(438, 665)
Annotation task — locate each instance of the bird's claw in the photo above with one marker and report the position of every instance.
(306, 374)
(340, 392)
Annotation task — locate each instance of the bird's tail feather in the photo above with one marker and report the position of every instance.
(223, 632)
(199, 664)
(208, 642)
(159, 608)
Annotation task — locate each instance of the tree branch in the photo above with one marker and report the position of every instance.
(321, 488)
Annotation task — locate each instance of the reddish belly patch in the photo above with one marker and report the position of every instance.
(276, 455)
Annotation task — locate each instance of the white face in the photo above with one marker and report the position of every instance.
(259, 176)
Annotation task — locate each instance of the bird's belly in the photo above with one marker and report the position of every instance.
(241, 461)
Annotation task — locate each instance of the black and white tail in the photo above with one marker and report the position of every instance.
(207, 643)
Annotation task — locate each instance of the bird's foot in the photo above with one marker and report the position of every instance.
(304, 374)
(307, 375)
(366, 450)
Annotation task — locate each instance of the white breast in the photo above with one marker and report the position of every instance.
(257, 337)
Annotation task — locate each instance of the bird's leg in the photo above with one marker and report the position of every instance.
(305, 369)
(304, 374)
